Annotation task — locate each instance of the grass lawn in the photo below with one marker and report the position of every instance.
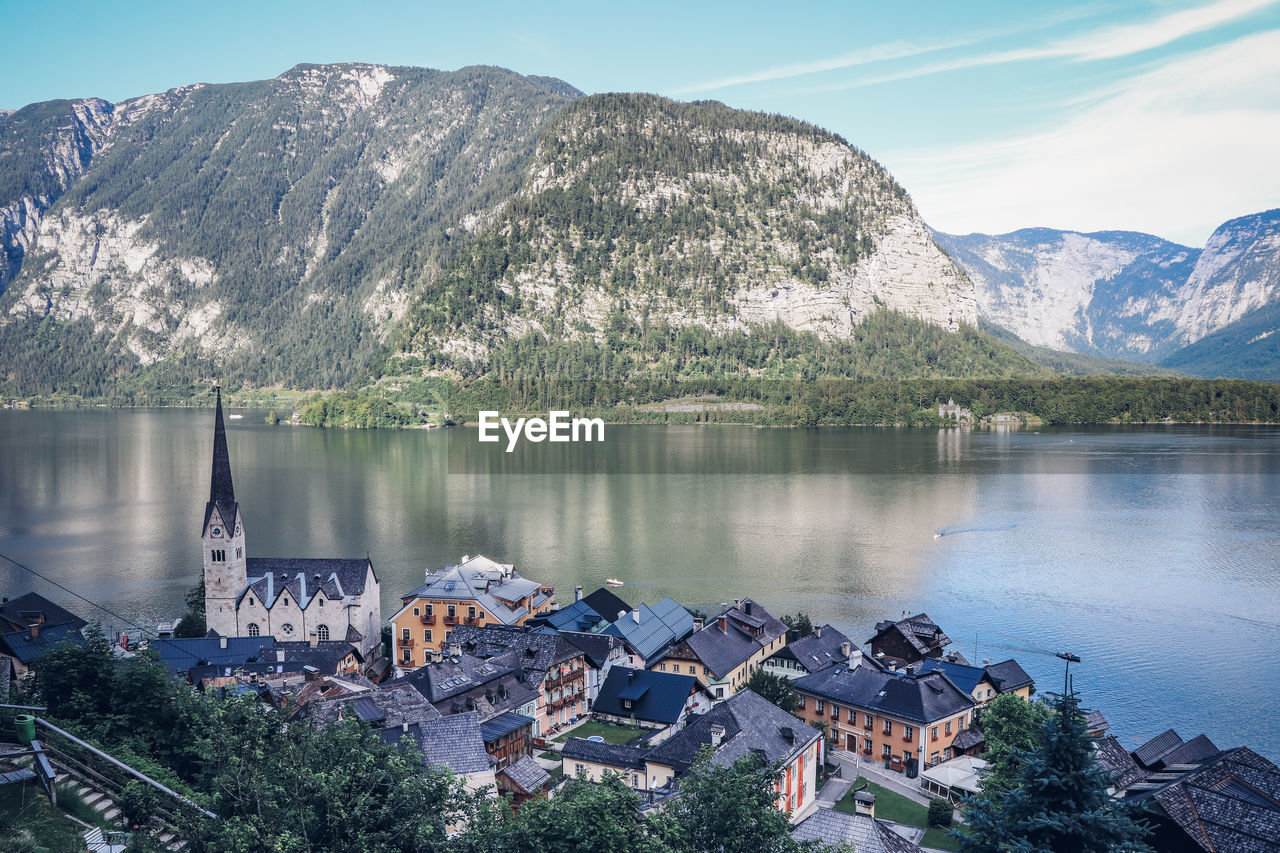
(608, 731)
(899, 809)
(27, 821)
(548, 754)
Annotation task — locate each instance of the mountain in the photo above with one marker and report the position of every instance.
(1105, 293)
(1134, 296)
(293, 231)
(642, 222)
(266, 232)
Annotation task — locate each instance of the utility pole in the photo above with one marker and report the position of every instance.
(1066, 678)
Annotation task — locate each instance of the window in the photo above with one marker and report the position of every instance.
(868, 720)
(453, 611)
(719, 692)
(426, 635)
(907, 732)
(819, 706)
(322, 633)
(888, 727)
(662, 667)
(404, 633)
(579, 768)
(254, 630)
(800, 701)
(933, 733)
(471, 612)
(429, 610)
(286, 628)
(626, 703)
(251, 601)
(934, 758)
(675, 667)
(866, 745)
(887, 751)
(416, 611)
(961, 724)
(239, 553)
(948, 727)
(218, 555)
(407, 654)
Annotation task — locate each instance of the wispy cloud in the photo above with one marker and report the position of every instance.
(1174, 151)
(1146, 35)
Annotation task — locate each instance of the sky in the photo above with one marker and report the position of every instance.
(1162, 117)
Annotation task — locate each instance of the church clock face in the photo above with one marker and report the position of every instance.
(217, 531)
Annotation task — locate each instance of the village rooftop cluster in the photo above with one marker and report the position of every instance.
(492, 677)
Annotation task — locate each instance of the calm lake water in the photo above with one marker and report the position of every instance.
(1153, 553)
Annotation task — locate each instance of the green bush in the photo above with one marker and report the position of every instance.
(939, 812)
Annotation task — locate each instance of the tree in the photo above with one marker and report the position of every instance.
(798, 626)
(775, 688)
(728, 809)
(1060, 804)
(940, 812)
(1011, 726)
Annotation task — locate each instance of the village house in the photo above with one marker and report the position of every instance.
(728, 649)
(811, 653)
(833, 828)
(909, 640)
(982, 683)
(522, 781)
(30, 626)
(554, 667)
(290, 598)
(476, 592)
(496, 689)
(602, 652)
(651, 632)
(902, 718)
(198, 658)
(742, 725)
(651, 700)
(453, 742)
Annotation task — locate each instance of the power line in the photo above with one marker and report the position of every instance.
(150, 634)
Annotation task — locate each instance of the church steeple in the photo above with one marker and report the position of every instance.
(221, 491)
(225, 565)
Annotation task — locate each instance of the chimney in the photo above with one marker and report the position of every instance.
(279, 655)
(737, 604)
(312, 639)
(453, 650)
(724, 623)
(33, 630)
(788, 734)
(986, 662)
(855, 659)
(577, 592)
(817, 632)
(746, 607)
(717, 734)
(635, 616)
(222, 642)
(845, 650)
(699, 623)
(621, 613)
(310, 673)
(404, 727)
(864, 802)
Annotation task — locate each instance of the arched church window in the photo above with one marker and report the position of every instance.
(253, 629)
(322, 633)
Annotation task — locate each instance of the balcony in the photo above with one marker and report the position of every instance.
(473, 620)
(451, 620)
(406, 642)
(428, 619)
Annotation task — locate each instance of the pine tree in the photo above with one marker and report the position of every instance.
(1060, 805)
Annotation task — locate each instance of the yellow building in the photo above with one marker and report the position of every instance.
(724, 653)
(477, 591)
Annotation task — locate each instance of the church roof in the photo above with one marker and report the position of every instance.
(304, 578)
(222, 493)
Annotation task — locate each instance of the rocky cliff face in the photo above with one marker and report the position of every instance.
(1127, 295)
(265, 232)
(692, 214)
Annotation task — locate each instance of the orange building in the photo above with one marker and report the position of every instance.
(477, 591)
(898, 717)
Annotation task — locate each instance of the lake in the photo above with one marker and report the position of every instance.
(1151, 552)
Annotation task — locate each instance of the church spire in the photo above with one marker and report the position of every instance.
(221, 491)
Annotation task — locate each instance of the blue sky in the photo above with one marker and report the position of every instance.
(1151, 116)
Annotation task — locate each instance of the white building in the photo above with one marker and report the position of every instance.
(290, 598)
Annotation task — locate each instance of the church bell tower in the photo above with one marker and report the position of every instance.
(225, 575)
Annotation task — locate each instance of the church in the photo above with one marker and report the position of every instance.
(298, 599)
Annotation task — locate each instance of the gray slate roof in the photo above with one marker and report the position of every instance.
(488, 686)
(747, 629)
(452, 742)
(923, 698)
(536, 651)
(607, 603)
(20, 646)
(1230, 804)
(389, 705)
(920, 632)
(818, 650)
(596, 647)
(650, 631)
(752, 725)
(526, 775)
(17, 614)
(1116, 762)
(497, 587)
(1153, 750)
(613, 755)
(503, 724)
(1008, 675)
(304, 577)
(833, 828)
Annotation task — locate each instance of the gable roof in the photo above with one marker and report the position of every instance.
(17, 614)
(1116, 762)
(599, 752)
(269, 578)
(180, 654)
(657, 697)
(391, 705)
(607, 603)
(503, 724)
(1008, 675)
(452, 742)
(526, 775)
(20, 646)
(465, 683)
(748, 628)
(752, 725)
(868, 835)
(921, 698)
(1153, 750)
(578, 616)
(651, 630)
(596, 647)
(818, 650)
(535, 651)
(962, 675)
(1231, 802)
(919, 631)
